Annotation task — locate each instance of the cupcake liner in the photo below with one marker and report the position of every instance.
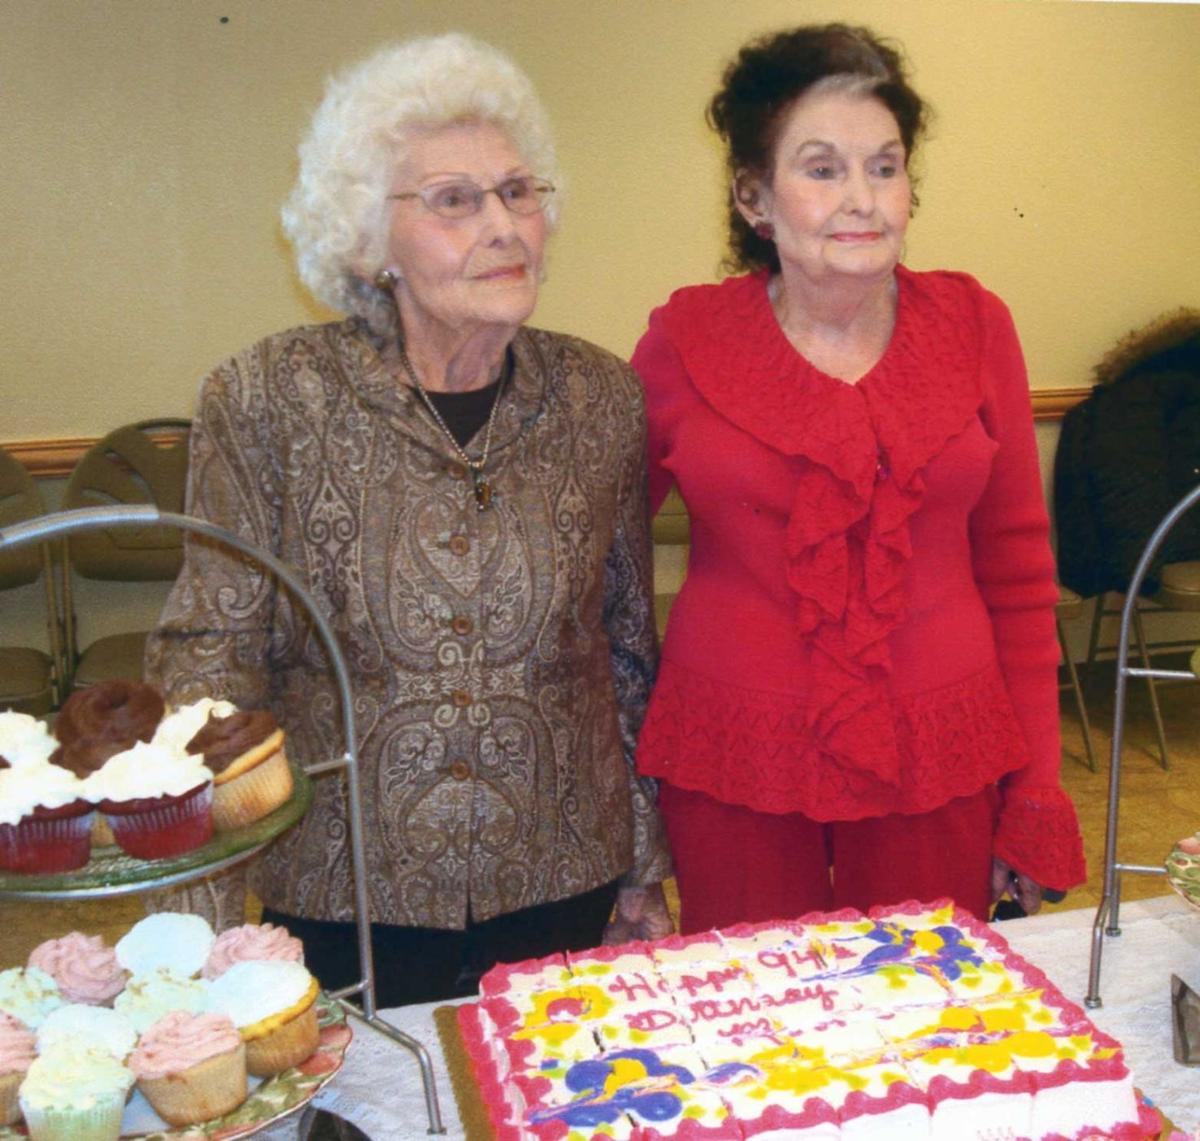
(10, 1108)
(253, 794)
(44, 845)
(285, 1046)
(209, 1089)
(167, 829)
(101, 1122)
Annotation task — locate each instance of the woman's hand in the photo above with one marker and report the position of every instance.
(1007, 881)
(641, 913)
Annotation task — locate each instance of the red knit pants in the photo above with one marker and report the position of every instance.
(733, 864)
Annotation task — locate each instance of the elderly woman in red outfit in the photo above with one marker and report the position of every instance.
(857, 700)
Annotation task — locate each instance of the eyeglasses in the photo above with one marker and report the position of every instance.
(461, 199)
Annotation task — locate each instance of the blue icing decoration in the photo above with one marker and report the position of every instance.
(646, 1096)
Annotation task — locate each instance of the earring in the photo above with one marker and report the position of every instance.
(386, 280)
(764, 230)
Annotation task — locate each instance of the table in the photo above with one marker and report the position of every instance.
(379, 1087)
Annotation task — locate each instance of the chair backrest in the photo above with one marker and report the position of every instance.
(19, 500)
(142, 463)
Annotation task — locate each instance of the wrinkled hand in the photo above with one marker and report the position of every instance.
(1007, 881)
(641, 913)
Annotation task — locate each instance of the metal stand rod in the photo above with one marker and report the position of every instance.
(97, 518)
(1108, 912)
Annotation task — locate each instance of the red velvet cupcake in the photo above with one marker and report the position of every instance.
(45, 820)
(157, 801)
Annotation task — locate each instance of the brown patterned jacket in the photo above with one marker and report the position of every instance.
(500, 660)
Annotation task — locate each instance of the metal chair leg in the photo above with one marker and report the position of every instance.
(1160, 732)
(1076, 689)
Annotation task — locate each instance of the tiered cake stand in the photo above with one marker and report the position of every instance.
(121, 875)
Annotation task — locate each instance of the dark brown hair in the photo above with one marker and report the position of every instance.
(768, 75)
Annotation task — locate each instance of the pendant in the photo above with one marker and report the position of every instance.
(483, 491)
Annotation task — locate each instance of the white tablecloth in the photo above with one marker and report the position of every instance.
(379, 1087)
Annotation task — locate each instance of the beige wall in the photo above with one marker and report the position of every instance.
(146, 147)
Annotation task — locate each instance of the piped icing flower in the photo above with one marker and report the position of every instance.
(84, 966)
(28, 994)
(28, 787)
(17, 1045)
(147, 998)
(24, 740)
(89, 1028)
(169, 939)
(182, 724)
(181, 1040)
(69, 1076)
(146, 770)
(252, 942)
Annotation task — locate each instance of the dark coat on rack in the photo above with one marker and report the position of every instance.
(1126, 455)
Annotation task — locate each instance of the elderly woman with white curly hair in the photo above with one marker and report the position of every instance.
(466, 499)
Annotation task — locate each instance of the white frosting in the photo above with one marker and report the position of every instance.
(68, 1077)
(256, 989)
(182, 724)
(33, 786)
(167, 939)
(89, 1027)
(29, 994)
(147, 769)
(146, 998)
(24, 739)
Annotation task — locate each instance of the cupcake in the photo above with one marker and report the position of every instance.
(104, 719)
(179, 726)
(89, 1028)
(274, 1007)
(28, 994)
(158, 802)
(84, 967)
(251, 774)
(24, 740)
(72, 1094)
(149, 997)
(169, 940)
(17, 1049)
(250, 942)
(45, 820)
(191, 1067)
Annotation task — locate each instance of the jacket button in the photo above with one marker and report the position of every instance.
(459, 545)
(456, 471)
(460, 770)
(462, 624)
(461, 698)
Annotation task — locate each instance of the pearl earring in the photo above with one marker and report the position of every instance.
(386, 280)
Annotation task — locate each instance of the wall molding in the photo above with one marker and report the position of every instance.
(55, 458)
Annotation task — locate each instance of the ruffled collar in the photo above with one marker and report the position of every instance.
(865, 446)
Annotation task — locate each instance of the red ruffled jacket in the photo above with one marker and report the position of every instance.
(867, 623)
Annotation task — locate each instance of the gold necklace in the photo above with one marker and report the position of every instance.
(480, 486)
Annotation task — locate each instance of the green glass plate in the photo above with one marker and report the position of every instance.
(110, 871)
(275, 1098)
(1183, 869)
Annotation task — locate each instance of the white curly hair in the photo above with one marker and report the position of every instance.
(336, 215)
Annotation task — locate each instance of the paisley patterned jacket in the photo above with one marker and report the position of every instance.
(500, 659)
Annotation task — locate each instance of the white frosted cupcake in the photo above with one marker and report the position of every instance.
(88, 1028)
(274, 1007)
(168, 939)
(24, 740)
(182, 724)
(147, 998)
(45, 820)
(28, 994)
(71, 1094)
(158, 801)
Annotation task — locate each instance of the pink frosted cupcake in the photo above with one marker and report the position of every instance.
(157, 800)
(17, 1050)
(191, 1067)
(85, 968)
(252, 942)
(45, 820)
